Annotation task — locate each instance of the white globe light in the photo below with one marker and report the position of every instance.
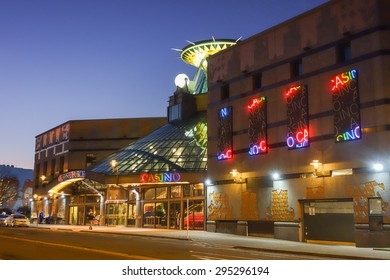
(181, 80)
(378, 167)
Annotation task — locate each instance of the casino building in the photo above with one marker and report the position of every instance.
(158, 181)
(155, 180)
(299, 129)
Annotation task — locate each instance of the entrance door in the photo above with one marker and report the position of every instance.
(326, 220)
(116, 214)
(132, 215)
(155, 214)
(195, 217)
(73, 212)
(174, 215)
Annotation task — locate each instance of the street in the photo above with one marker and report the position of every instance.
(40, 244)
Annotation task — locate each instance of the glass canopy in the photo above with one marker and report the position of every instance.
(177, 146)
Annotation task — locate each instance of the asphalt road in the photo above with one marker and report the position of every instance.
(41, 244)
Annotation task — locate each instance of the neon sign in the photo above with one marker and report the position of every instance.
(255, 102)
(300, 140)
(165, 177)
(256, 149)
(292, 90)
(257, 131)
(78, 174)
(224, 112)
(297, 117)
(342, 79)
(225, 134)
(346, 106)
(225, 155)
(349, 135)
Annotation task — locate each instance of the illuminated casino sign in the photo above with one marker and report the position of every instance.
(77, 174)
(257, 131)
(165, 177)
(225, 134)
(297, 117)
(346, 106)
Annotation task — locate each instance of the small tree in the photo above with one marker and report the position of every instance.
(8, 191)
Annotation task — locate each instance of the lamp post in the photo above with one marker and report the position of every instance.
(114, 165)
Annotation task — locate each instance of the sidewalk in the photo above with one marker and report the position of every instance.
(236, 241)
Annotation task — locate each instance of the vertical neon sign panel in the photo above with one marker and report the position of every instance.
(225, 134)
(346, 106)
(297, 117)
(257, 126)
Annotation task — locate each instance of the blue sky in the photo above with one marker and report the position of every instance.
(66, 60)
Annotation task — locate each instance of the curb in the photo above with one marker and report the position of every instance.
(346, 257)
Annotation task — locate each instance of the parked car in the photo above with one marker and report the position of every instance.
(17, 220)
(2, 219)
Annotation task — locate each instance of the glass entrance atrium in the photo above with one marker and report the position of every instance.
(179, 146)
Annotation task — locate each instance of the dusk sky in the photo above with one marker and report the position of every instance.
(64, 60)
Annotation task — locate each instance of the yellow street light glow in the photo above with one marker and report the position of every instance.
(113, 163)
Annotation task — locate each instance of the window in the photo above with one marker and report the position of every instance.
(174, 112)
(161, 193)
(176, 192)
(193, 190)
(149, 194)
(37, 172)
(45, 168)
(343, 53)
(225, 92)
(257, 81)
(296, 69)
(90, 159)
(62, 163)
(53, 166)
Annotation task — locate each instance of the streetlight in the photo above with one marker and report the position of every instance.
(114, 165)
(43, 179)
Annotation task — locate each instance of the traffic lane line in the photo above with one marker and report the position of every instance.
(137, 257)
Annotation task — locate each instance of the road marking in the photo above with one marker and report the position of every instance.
(215, 256)
(82, 248)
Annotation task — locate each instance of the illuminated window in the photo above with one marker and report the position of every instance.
(296, 69)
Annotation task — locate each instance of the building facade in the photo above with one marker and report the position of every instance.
(158, 181)
(298, 129)
(62, 155)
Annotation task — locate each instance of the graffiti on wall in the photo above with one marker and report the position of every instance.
(219, 208)
(360, 195)
(280, 210)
